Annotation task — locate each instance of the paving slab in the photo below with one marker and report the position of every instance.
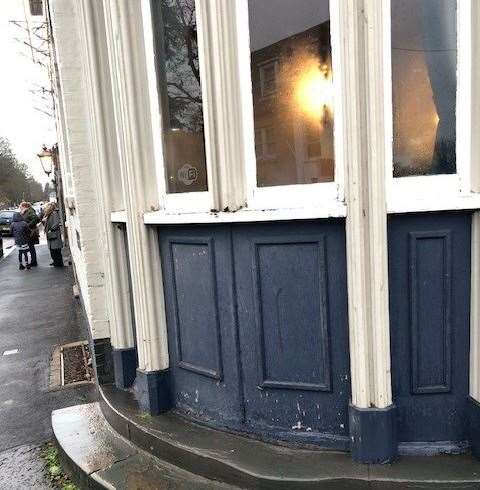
(91, 441)
(21, 468)
(142, 472)
(256, 464)
(37, 312)
(100, 458)
(441, 471)
(237, 459)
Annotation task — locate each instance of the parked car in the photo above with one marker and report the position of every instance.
(5, 221)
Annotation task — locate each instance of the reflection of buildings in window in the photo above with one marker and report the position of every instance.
(292, 98)
(313, 140)
(268, 78)
(181, 95)
(36, 7)
(265, 143)
(423, 86)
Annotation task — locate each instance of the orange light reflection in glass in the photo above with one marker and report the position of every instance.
(314, 91)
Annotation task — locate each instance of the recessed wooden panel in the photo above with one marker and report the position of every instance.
(201, 321)
(291, 314)
(429, 283)
(430, 311)
(196, 307)
(292, 320)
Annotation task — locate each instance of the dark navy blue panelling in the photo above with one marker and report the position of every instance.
(197, 331)
(287, 299)
(198, 281)
(125, 367)
(123, 229)
(431, 328)
(429, 274)
(153, 391)
(373, 434)
(292, 314)
(474, 426)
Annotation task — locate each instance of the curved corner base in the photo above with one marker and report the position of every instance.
(474, 426)
(152, 390)
(373, 434)
(124, 367)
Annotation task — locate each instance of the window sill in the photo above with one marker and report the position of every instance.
(445, 202)
(334, 210)
(118, 217)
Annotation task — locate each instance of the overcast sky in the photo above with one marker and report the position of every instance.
(26, 128)
(288, 20)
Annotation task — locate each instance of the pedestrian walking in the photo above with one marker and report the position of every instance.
(21, 233)
(53, 232)
(30, 216)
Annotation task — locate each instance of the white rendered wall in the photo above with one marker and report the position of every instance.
(75, 146)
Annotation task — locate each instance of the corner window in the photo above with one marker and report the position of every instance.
(180, 91)
(424, 86)
(291, 71)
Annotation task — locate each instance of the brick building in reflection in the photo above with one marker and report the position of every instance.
(291, 83)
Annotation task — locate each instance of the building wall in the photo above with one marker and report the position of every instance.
(208, 337)
(258, 330)
(75, 148)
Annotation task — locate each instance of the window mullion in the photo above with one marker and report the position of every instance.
(222, 102)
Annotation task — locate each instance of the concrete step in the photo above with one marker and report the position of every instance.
(249, 463)
(100, 458)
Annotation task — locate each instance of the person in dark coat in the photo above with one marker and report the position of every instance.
(30, 216)
(21, 232)
(53, 232)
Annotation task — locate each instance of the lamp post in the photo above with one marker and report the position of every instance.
(49, 160)
(46, 160)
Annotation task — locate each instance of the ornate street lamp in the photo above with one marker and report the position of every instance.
(46, 159)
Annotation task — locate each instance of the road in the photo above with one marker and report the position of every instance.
(37, 313)
(8, 245)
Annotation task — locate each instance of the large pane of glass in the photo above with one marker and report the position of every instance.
(291, 66)
(176, 52)
(424, 63)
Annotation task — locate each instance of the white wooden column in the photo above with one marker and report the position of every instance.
(366, 204)
(136, 155)
(105, 155)
(222, 102)
(475, 311)
(372, 420)
(474, 26)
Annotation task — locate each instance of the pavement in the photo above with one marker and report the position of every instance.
(37, 313)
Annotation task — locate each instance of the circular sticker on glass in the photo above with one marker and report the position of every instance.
(187, 174)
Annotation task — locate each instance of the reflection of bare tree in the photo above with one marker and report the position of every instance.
(181, 65)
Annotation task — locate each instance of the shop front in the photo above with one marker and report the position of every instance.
(299, 208)
(257, 312)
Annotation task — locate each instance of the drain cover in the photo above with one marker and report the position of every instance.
(76, 363)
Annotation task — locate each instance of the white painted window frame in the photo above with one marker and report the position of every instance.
(325, 194)
(232, 178)
(185, 201)
(434, 192)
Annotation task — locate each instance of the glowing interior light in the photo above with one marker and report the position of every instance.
(314, 92)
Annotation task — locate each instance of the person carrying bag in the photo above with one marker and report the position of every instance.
(53, 233)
